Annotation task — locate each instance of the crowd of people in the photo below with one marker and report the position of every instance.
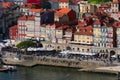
(98, 57)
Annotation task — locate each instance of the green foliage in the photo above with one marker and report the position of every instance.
(25, 44)
(98, 1)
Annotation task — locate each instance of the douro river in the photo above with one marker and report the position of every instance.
(53, 73)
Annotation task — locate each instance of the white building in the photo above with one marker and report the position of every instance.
(63, 3)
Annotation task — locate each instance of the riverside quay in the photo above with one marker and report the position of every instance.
(81, 48)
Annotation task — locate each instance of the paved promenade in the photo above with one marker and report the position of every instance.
(29, 60)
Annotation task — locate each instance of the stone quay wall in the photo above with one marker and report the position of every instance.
(52, 61)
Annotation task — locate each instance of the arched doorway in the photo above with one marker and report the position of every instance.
(58, 47)
(112, 52)
(68, 48)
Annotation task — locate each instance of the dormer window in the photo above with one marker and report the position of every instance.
(98, 25)
(95, 25)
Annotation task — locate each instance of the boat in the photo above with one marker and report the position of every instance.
(3, 69)
(8, 68)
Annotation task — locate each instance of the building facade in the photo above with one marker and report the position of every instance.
(10, 14)
(115, 6)
(22, 27)
(63, 3)
(13, 31)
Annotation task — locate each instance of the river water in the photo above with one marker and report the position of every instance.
(53, 73)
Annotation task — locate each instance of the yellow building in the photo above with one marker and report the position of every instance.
(84, 35)
(30, 26)
(97, 33)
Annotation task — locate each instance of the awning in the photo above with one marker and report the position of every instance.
(81, 53)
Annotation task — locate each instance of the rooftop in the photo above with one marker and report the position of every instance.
(6, 5)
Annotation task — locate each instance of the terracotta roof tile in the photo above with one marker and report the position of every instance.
(28, 5)
(81, 24)
(63, 0)
(6, 5)
(97, 22)
(36, 10)
(43, 25)
(65, 10)
(62, 27)
(14, 27)
(88, 30)
(58, 14)
(116, 1)
(22, 18)
(31, 17)
(117, 24)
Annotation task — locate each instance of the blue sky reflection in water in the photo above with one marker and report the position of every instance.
(52, 73)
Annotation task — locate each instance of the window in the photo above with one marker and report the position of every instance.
(95, 25)
(116, 5)
(88, 50)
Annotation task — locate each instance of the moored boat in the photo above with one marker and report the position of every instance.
(8, 68)
(3, 69)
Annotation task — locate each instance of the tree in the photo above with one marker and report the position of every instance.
(25, 44)
(98, 1)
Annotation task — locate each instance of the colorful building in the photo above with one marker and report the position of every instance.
(22, 27)
(43, 32)
(115, 6)
(13, 32)
(84, 35)
(63, 3)
(9, 18)
(97, 33)
(60, 32)
(30, 25)
(65, 15)
(117, 26)
(69, 35)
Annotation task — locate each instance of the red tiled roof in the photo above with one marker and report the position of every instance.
(116, 1)
(62, 27)
(97, 22)
(23, 18)
(58, 14)
(81, 24)
(31, 17)
(36, 10)
(14, 27)
(6, 5)
(117, 24)
(64, 10)
(88, 30)
(43, 25)
(63, 0)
